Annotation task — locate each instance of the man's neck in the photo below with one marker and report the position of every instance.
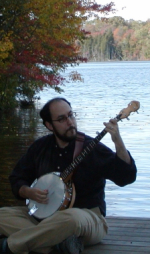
(61, 143)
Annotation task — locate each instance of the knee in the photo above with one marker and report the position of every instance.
(74, 217)
(4, 210)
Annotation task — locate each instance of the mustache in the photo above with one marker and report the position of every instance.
(72, 128)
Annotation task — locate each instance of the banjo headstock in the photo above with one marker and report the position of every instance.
(133, 106)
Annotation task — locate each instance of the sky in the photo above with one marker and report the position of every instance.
(130, 9)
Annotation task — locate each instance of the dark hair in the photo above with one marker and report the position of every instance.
(45, 113)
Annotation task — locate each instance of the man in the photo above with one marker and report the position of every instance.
(68, 230)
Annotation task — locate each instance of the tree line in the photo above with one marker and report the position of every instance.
(116, 39)
(38, 39)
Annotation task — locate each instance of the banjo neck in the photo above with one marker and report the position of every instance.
(68, 172)
(66, 175)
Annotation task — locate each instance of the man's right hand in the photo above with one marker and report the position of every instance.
(35, 194)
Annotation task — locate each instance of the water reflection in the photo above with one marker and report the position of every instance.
(18, 129)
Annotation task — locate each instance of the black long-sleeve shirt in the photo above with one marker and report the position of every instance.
(44, 156)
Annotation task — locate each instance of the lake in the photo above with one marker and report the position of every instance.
(106, 89)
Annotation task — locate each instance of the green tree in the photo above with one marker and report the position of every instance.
(40, 38)
(116, 38)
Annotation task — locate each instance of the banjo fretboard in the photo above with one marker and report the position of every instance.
(133, 106)
(68, 171)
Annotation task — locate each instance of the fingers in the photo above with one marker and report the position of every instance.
(39, 195)
(112, 128)
(110, 125)
(108, 128)
(42, 196)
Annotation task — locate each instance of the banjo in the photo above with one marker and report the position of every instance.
(61, 190)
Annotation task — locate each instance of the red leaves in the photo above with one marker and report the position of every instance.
(45, 32)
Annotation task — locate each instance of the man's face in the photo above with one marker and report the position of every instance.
(65, 128)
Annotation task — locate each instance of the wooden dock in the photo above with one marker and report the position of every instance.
(126, 235)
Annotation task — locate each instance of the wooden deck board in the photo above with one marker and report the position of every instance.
(126, 235)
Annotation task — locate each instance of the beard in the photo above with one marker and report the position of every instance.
(64, 137)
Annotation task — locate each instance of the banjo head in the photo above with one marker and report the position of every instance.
(56, 195)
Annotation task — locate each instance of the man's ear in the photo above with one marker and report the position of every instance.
(49, 126)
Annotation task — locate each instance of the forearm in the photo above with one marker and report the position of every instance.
(122, 151)
(24, 191)
(112, 128)
(34, 193)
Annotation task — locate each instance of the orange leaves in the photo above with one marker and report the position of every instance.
(43, 32)
(5, 46)
(46, 30)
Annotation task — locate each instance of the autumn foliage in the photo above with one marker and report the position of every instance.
(38, 39)
(117, 39)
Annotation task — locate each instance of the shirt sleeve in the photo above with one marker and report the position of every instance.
(111, 167)
(23, 173)
(35, 163)
(120, 172)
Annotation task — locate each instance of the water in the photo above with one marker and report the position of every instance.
(107, 89)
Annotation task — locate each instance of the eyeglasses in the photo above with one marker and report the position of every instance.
(63, 119)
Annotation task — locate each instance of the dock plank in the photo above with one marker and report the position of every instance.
(126, 235)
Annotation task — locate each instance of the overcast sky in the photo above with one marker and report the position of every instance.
(130, 9)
